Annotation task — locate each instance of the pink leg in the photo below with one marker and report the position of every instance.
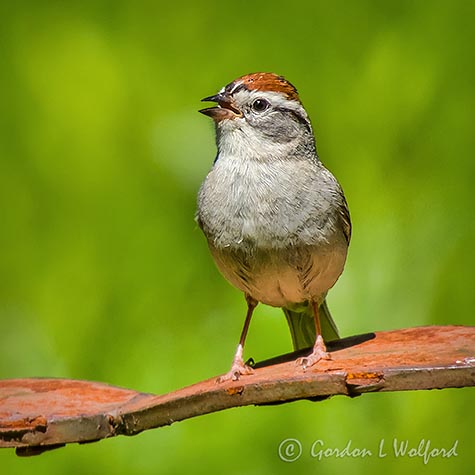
(319, 349)
(238, 367)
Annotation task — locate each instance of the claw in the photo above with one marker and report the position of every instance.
(237, 369)
(319, 353)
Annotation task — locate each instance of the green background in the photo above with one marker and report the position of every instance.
(105, 276)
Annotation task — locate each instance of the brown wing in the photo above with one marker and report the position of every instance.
(345, 219)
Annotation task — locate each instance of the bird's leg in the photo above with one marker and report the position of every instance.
(238, 367)
(319, 349)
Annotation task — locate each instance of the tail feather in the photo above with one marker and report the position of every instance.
(302, 326)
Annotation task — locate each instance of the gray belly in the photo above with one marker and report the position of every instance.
(283, 277)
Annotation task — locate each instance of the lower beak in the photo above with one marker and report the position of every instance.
(224, 110)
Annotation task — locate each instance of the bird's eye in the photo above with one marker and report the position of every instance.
(260, 105)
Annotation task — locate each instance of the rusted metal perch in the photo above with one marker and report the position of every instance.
(41, 414)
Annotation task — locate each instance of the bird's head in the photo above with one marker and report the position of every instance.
(261, 111)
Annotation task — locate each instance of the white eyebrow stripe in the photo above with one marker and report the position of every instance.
(236, 85)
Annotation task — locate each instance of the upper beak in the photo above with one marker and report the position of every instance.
(224, 110)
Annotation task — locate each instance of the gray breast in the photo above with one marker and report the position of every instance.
(274, 231)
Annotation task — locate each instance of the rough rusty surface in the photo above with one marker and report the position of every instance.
(41, 414)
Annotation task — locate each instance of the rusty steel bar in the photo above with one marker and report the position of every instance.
(40, 414)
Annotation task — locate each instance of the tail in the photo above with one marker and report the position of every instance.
(302, 326)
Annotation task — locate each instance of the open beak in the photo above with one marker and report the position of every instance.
(225, 108)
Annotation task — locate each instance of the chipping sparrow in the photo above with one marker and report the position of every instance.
(275, 218)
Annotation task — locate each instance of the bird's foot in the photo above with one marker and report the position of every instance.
(237, 369)
(319, 353)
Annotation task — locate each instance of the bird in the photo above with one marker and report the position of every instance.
(276, 220)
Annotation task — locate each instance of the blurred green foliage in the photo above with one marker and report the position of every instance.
(104, 274)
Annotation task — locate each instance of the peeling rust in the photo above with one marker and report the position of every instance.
(362, 382)
(116, 424)
(38, 423)
(235, 390)
(14, 430)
